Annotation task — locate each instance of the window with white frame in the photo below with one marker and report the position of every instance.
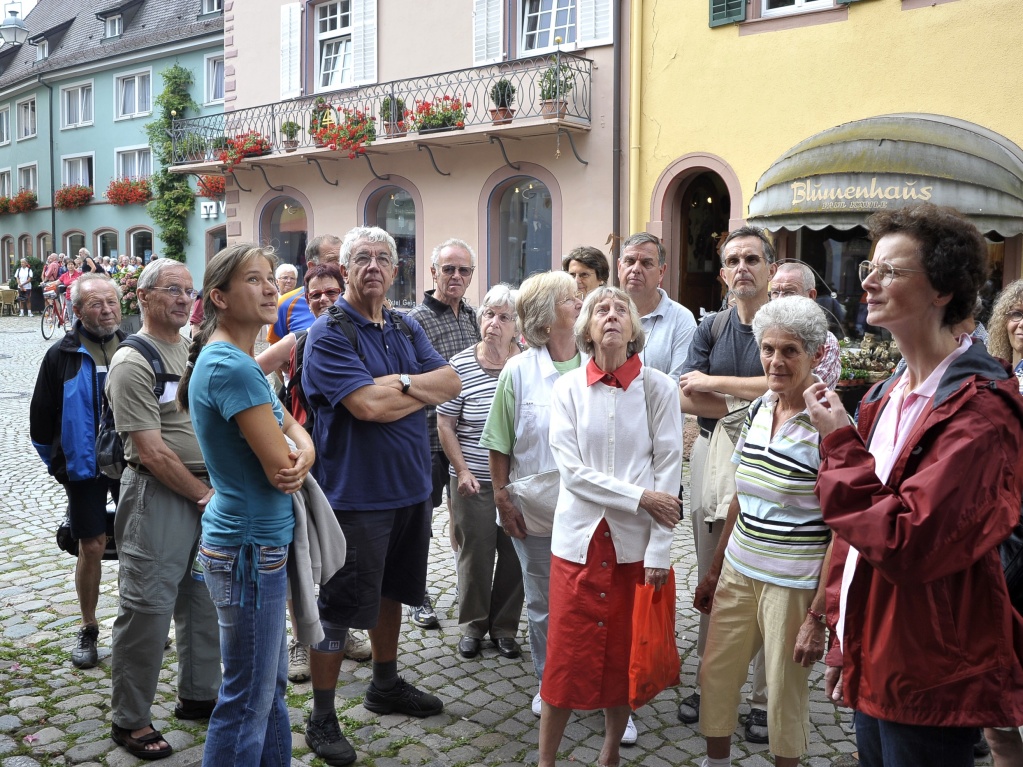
(27, 118)
(42, 50)
(5, 125)
(113, 26)
(134, 163)
(214, 79)
(76, 103)
(5, 183)
(333, 44)
(769, 8)
(212, 6)
(545, 20)
(78, 170)
(27, 176)
(133, 95)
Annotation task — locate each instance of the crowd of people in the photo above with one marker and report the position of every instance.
(550, 416)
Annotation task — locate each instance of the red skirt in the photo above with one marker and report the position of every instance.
(589, 634)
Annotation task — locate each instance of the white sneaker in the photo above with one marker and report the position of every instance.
(537, 704)
(22, 313)
(298, 662)
(357, 646)
(29, 312)
(630, 736)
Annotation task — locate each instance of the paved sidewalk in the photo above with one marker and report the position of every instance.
(53, 714)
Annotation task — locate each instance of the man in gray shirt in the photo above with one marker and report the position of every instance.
(668, 325)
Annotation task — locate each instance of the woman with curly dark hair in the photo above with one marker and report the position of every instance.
(919, 495)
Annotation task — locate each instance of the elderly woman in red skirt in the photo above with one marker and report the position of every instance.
(616, 435)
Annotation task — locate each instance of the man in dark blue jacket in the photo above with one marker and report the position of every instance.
(63, 421)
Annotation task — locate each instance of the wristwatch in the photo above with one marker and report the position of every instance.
(819, 617)
(406, 383)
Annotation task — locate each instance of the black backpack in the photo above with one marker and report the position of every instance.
(339, 318)
(109, 448)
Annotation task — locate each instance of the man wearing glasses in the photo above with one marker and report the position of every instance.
(721, 376)
(450, 323)
(164, 490)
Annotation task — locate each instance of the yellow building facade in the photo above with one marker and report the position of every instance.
(806, 115)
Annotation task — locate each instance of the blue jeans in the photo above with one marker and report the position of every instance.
(534, 552)
(250, 724)
(889, 744)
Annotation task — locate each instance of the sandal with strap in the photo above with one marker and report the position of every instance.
(137, 746)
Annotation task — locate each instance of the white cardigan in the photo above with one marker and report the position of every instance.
(601, 440)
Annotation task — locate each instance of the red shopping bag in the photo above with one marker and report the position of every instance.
(653, 662)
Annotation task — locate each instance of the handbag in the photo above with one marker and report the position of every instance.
(653, 660)
(69, 544)
(537, 497)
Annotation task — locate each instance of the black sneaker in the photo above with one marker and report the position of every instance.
(425, 616)
(327, 741)
(84, 654)
(689, 709)
(756, 726)
(403, 698)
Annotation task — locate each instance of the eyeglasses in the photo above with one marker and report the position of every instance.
(885, 271)
(176, 291)
(752, 262)
(316, 295)
(363, 260)
(1014, 316)
(464, 271)
(783, 293)
(503, 317)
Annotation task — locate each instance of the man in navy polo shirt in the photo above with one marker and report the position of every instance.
(374, 467)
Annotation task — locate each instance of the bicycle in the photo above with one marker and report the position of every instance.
(55, 313)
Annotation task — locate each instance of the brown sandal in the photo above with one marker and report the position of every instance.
(137, 746)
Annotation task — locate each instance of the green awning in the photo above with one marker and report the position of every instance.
(842, 175)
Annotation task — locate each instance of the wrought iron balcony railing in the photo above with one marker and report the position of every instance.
(556, 86)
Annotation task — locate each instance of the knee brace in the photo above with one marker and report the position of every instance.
(333, 640)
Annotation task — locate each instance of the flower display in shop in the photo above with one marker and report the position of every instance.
(211, 187)
(249, 144)
(24, 201)
(71, 196)
(350, 133)
(129, 191)
(445, 112)
(128, 282)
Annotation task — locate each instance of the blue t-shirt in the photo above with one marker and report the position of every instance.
(245, 508)
(363, 465)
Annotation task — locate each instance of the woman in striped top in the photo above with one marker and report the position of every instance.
(764, 587)
(489, 599)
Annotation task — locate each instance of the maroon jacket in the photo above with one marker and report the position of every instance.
(930, 635)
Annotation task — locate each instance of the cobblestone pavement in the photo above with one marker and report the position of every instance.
(53, 714)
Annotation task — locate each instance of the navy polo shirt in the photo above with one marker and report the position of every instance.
(363, 465)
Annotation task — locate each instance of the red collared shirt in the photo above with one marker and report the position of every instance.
(620, 378)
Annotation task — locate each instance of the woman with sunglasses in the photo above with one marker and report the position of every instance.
(919, 495)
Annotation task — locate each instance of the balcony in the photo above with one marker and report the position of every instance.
(551, 94)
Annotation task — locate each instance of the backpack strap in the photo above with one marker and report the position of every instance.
(717, 326)
(151, 355)
(339, 318)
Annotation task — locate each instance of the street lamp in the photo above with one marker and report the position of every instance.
(12, 29)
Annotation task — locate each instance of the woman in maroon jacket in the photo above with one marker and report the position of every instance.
(919, 497)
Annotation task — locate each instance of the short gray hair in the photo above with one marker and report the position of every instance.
(798, 315)
(582, 325)
(809, 280)
(150, 275)
(453, 242)
(499, 295)
(286, 268)
(371, 233)
(538, 304)
(76, 287)
(641, 238)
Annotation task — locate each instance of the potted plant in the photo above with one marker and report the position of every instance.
(129, 191)
(503, 95)
(211, 187)
(24, 201)
(444, 114)
(290, 131)
(191, 148)
(392, 115)
(350, 134)
(556, 83)
(320, 116)
(249, 144)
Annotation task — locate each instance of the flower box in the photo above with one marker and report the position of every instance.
(72, 196)
(24, 201)
(129, 191)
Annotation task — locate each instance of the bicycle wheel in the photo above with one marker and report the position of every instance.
(49, 321)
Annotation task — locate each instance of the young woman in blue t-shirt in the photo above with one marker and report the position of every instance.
(248, 524)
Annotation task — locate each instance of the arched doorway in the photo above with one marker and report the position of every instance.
(284, 226)
(703, 209)
(393, 209)
(524, 211)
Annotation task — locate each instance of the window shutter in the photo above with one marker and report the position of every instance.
(594, 22)
(727, 12)
(291, 58)
(364, 41)
(486, 31)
